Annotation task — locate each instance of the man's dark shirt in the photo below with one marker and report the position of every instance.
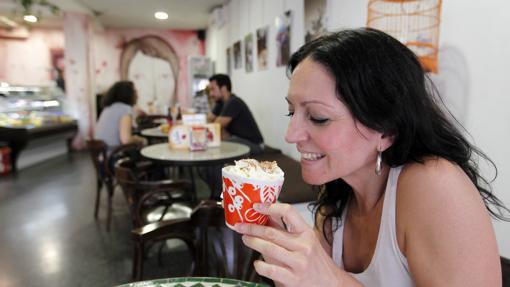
(242, 124)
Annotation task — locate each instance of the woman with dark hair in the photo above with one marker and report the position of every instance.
(116, 120)
(402, 201)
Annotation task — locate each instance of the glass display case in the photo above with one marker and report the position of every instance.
(32, 119)
(31, 106)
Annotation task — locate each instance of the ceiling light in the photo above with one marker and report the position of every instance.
(160, 15)
(30, 18)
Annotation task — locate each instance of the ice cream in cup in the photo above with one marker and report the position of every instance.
(248, 182)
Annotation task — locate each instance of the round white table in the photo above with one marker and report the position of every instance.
(193, 281)
(227, 151)
(153, 133)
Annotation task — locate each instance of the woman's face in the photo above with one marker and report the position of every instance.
(331, 143)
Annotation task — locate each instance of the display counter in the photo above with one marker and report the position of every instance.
(38, 142)
(33, 123)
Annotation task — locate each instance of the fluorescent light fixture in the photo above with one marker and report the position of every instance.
(30, 18)
(160, 15)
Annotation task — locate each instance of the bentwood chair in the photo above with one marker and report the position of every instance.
(217, 251)
(103, 164)
(152, 201)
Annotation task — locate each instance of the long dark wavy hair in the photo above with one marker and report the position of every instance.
(121, 91)
(385, 88)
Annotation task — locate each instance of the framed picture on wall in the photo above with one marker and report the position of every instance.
(248, 53)
(315, 19)
(238, 63)
(262, 52)
(283, 29)
(229, 61)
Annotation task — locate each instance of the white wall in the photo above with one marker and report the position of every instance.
(473, 72)
(263, 91)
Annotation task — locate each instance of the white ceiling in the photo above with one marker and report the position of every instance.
(182, 14)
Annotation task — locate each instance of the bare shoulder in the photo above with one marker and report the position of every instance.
(443, 226)
(436, 190)
(434, 183)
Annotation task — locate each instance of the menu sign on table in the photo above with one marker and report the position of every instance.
(180, 136)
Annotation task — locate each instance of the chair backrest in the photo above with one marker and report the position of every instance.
(131, 150)
(98, 153)
(231, 258)
(126, 178)
(144, 195)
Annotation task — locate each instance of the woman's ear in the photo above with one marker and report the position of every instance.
(385, 142)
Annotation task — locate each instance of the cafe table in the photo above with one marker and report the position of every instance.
(227, 152)
(193, 282)
(154, 135)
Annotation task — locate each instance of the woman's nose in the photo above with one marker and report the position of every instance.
(295, 131)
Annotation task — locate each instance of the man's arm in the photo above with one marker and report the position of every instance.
(223, 121)
(211, 117)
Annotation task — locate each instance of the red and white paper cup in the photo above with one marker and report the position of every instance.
(240, 193)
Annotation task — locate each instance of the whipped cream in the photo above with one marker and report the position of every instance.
(253, 169)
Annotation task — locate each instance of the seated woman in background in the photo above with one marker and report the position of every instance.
(403, 202)
(115, 123)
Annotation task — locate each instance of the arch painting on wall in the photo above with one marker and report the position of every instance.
(152, 64)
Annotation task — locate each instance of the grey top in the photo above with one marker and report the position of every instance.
(107, 128)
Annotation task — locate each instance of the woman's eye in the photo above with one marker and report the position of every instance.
(318, 121)
(290, 114)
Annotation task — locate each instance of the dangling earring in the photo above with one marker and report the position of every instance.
(378, 163)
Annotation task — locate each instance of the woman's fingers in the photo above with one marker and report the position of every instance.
(291, 220)
(272, 252)
(274, 272)
(276, 236)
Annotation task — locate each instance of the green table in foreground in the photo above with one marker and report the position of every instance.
(193, 282)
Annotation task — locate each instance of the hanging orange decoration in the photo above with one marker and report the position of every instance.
(415, 23)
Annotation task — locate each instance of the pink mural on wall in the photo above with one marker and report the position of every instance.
(28, 61)
(91, 60)
(110, 43)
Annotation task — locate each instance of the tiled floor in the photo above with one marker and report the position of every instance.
(48, 235)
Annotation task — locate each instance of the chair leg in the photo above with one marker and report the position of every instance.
(138, 261)
(109, 185)
(98, 197)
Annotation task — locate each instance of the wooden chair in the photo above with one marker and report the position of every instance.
(103, 162)
(154, 201)
(218, 251)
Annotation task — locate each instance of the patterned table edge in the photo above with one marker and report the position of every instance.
(160, 282)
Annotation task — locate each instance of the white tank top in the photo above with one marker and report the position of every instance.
(388, 266)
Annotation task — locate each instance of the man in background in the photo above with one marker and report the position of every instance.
(234, 116)
(237, 125)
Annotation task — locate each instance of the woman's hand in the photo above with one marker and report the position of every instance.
(293, 255)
